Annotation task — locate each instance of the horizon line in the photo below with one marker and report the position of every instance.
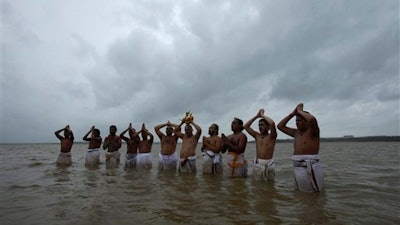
(345, 137)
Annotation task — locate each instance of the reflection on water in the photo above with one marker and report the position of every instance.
(358, 190)
(311, 208)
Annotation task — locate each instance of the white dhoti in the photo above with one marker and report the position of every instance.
(212, 162)
(143, 161)
(112, 159)
(130, 160)
(92, 157)
(264, 169)
(167, 162)
(64, 159)
(187, 165)
(237, 165)
(308, 173)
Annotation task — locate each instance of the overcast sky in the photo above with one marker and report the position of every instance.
(101, 62)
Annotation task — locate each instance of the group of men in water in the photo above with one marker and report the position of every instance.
(307, 169)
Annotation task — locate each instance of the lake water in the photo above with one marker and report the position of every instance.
(362, 186)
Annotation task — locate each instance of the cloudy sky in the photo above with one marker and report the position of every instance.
(101, 62)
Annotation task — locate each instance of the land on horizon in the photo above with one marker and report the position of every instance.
(350, 138)
(346, 138)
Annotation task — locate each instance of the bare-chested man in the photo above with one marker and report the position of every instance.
(144, 157)
(112, 143)
(167, 158)
(236, 145)
(93, 154)
(211, 148)
(187, 162)
(66, 142)
(264, 165)
(307, 169)
(132, 145)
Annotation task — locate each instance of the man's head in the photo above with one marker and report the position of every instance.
(96, 132)
(144, 135)
(237, 125)
(188, 130)
(213, 129)
(67, 133)
(301, 123)
(132, 132)
(263, 126)
(169, 130)
(113, 129)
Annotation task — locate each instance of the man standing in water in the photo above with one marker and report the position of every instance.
(132, 144)
(211, 148)
(264, 165)
(112, 143)
(144, 157)
(93, 155)
(64, 158)
(167, 158)
(187, 162)
(236, 145)
(307, 169)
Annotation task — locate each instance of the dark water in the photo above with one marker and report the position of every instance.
(362, 187)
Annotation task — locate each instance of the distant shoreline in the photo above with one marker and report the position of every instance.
(331, 139)
(353, 139)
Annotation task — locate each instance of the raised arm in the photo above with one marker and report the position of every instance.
(70, 133)
(122, 135)
(311, 120)
(144, 130)
(198, 130)
(172, 124)
(57, 133)
(85, 138)
(177, 130)
(158, 131)
(271, 125)
(247, 125)
(151, 139)
(282, 125)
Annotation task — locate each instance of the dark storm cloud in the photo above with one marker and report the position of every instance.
(150, 61)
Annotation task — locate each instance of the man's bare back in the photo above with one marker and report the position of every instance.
(66, 145)
(67, 140)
